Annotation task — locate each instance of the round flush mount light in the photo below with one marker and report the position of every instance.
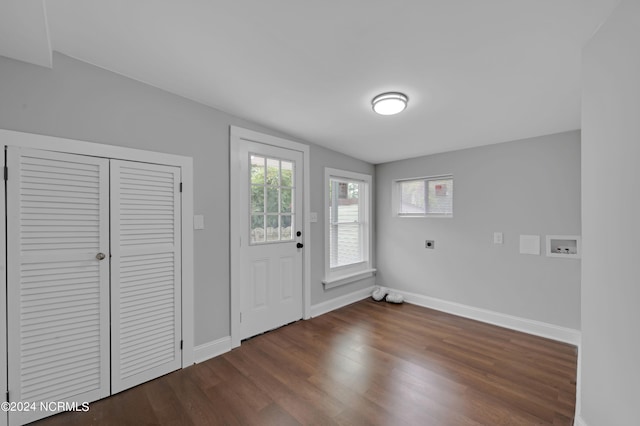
(389, 103)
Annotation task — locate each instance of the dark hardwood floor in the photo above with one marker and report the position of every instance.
(367, 363)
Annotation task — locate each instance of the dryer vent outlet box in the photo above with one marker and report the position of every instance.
(430, 244)
(567, 246)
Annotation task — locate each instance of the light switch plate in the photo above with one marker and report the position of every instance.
(497, 238)
(198, 221)
(313, 217)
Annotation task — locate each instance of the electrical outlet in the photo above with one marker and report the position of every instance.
(430, 244)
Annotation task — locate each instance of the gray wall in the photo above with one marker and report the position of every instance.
(524, 187)
(79, 101)
(611, 221)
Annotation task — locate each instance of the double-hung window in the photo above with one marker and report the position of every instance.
(424, 197)
(347, 227)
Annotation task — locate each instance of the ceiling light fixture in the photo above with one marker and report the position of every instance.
(389, 103)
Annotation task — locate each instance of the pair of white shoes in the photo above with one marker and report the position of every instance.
(380, 293)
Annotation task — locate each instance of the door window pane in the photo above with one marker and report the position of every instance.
(257, 229)
(272, 193)
(257, 199)
(257, 169)
(273, 231)
(286, 228)
(286, 200)
(287, 173)
(272, 200)
(273, 172)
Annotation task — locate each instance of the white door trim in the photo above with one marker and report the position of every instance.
(50, 143)
(4, 416)
(236, 134)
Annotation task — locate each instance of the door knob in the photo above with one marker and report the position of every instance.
(299, 245)
(100, 256)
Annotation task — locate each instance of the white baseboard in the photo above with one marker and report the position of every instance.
(538, 328)
(223, 345)
(339, 302)
(212, 349)
(579, 421)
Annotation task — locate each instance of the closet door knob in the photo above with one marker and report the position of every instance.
(100, 256)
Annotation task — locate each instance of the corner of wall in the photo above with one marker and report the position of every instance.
(579, 421)
(338, 302)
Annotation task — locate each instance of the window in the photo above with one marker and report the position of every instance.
(348, 227)
(424, 197)
(272, 191)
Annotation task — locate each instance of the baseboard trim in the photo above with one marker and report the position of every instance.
(339, 302)
(579, 421)
(223, 345)
(537, 328)
(212, 349)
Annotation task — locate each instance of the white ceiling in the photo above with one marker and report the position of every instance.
(476, 72)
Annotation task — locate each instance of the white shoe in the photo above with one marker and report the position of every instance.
(379, 293)
(394, 298)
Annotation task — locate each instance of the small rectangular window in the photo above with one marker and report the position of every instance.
(424, 197)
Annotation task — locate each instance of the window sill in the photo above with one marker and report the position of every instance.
(347, 278)
(427, 216)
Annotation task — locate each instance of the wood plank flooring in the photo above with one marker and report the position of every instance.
(365, 364)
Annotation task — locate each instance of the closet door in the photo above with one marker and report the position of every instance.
(146, 275)
(58, 279)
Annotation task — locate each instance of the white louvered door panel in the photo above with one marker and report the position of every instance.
(58, 291)
(146, 274)
(4, 417)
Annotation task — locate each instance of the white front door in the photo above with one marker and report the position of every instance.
(270, 193)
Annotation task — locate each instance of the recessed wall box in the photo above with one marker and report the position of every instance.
(567, 246)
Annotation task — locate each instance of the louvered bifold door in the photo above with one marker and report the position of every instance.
(58, 289)
(146, 275)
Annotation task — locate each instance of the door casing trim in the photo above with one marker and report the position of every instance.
(236, 134)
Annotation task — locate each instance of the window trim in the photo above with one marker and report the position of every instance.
(340, 275)
(396, 197)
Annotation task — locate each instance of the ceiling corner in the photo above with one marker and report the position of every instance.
(24, 32)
